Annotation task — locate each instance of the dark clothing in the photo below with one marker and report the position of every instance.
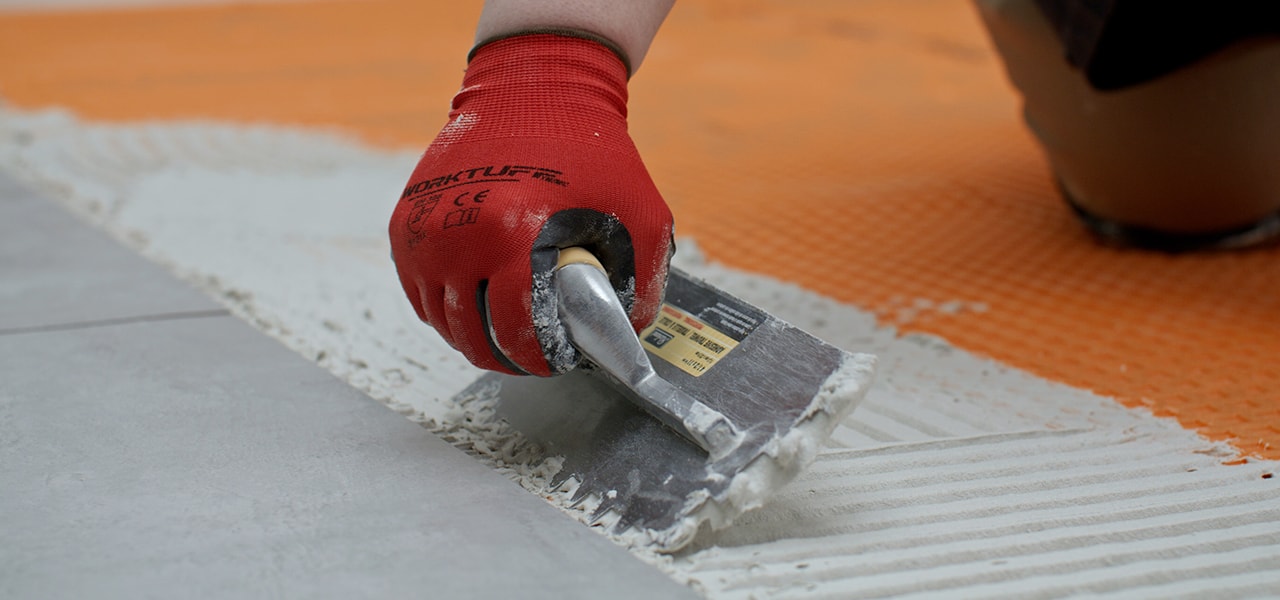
(1119, 43)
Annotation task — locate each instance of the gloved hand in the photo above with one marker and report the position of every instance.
(535, 157)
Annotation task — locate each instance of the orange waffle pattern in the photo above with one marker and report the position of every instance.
(868, 150)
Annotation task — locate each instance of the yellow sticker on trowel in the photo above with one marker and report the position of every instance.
(686, 341)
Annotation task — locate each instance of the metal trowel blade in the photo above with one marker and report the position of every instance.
(784, 388)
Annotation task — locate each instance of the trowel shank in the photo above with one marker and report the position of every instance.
(599, 328)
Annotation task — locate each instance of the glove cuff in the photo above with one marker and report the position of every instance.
(568, 32)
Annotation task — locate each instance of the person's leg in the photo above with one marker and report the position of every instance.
(1188, 160)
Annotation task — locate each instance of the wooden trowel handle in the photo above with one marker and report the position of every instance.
(578, 255)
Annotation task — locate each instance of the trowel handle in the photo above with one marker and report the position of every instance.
(578, 256)
(599, 328)
(593, 316)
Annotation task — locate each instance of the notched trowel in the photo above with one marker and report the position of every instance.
(700, 418)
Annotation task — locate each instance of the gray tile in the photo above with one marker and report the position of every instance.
(196, 457)
(171, 449)
(56, 271)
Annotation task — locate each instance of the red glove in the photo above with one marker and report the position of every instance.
(535, 157)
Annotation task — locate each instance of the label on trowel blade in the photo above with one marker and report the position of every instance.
(698, 327)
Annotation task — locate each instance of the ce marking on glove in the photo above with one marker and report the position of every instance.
(478, 198)
(468, 211)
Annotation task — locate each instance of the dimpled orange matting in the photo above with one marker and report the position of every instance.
(871, 151)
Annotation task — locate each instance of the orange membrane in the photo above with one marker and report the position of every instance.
(871, 151)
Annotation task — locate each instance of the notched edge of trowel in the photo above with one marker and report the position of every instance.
(780, 462)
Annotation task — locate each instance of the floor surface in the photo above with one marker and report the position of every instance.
(870, 152)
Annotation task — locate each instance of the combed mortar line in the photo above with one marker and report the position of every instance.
(926, 421)
(852, 491)
(920, 421)
(867, 471)
(882, 550)
(1080, 467)
(1024, 541)
(1239, 574)
(975, 449)
(892, 520)
(871, 432)
(1251, 582)
(1194, 560)
(877, 422)
(886, 496)
(1079, 482)
(899, 523)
